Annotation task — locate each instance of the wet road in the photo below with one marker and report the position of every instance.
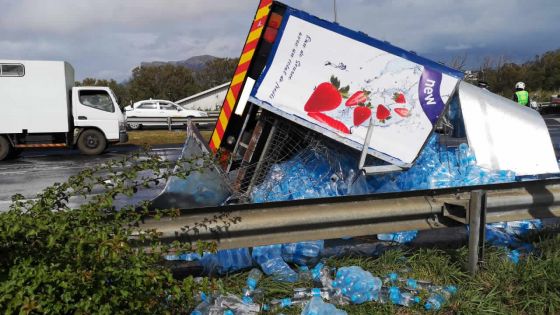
(35, 170)
(553, 124)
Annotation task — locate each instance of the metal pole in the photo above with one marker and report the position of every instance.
(334, 8)
(366, 144)
(169, 123)
(477, 212)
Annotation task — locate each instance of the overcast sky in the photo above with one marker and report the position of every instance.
(108, 38)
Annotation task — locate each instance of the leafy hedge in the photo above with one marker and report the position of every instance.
(55, 259)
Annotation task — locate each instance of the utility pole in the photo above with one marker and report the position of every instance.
(334, 8)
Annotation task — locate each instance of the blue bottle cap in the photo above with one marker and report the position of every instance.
(252, 283)
(411, 283)
(393, 276)
(428, 306)
(228, 312)
(285, 302)
(452, 289)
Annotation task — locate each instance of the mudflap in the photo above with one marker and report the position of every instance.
(202, 187)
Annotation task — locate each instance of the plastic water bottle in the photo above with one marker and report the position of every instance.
(277, 305)
(302, 253)
(305, 293)
(317, 306)
(402, 237)
(270, 260)
(407, 283)
(438, 298)
(236, 304)
(253, 278)
(356, 284)
(201, 309)
(408, 299)
(304, 273)
(514, 256)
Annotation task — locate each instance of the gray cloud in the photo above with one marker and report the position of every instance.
(107, 38)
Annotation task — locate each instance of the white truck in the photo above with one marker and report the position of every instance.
(40, 107)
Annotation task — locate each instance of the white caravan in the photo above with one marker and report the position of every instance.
(41, 107)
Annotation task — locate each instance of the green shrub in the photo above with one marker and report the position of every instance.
(55, 259)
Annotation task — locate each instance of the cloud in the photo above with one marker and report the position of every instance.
(458, 47)
(107, 38)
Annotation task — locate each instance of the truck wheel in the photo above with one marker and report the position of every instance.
(92, 142)
(134, 126)
(5, 148)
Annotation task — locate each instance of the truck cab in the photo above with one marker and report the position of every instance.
(97, 118)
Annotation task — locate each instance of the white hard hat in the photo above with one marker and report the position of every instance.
(520, 85)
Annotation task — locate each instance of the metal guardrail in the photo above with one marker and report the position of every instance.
(258, 224)
(245, 225)
(173, 121)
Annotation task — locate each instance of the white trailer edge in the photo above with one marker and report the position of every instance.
(41, 107)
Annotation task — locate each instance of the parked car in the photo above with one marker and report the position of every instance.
(151, 110)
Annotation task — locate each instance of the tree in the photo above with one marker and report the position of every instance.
(162, 82)
(216, 72)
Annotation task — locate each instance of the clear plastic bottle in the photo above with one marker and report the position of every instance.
(407, 283)
(277, 305)
(201, 309)
(236, 304)
(253, 278)
(305, 293)
(408, 299)
(438, 298)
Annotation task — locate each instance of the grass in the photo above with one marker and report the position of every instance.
(152, 137)
(531, 287)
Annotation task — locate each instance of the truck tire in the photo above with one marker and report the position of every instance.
(91, 142)
(5, 148)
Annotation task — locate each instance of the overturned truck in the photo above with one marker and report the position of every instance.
(326, 132)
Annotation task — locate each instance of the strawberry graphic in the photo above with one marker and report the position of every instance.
(357, 98)
(403, 112)
(399, 98)
(382, 113)
(334, 123)
(326, 96)
(361, 114)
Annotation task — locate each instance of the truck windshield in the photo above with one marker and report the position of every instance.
(97, 99)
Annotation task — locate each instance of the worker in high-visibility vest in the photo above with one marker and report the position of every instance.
(521, 96)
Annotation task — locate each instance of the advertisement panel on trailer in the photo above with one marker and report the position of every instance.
(338, 81)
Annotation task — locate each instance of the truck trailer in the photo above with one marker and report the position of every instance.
(41, 107)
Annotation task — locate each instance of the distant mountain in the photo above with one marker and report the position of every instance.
(195, 63)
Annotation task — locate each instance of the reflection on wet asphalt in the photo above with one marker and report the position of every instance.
(35, 170)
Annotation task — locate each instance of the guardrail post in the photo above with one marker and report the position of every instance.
(477, 225)
(169, 123)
